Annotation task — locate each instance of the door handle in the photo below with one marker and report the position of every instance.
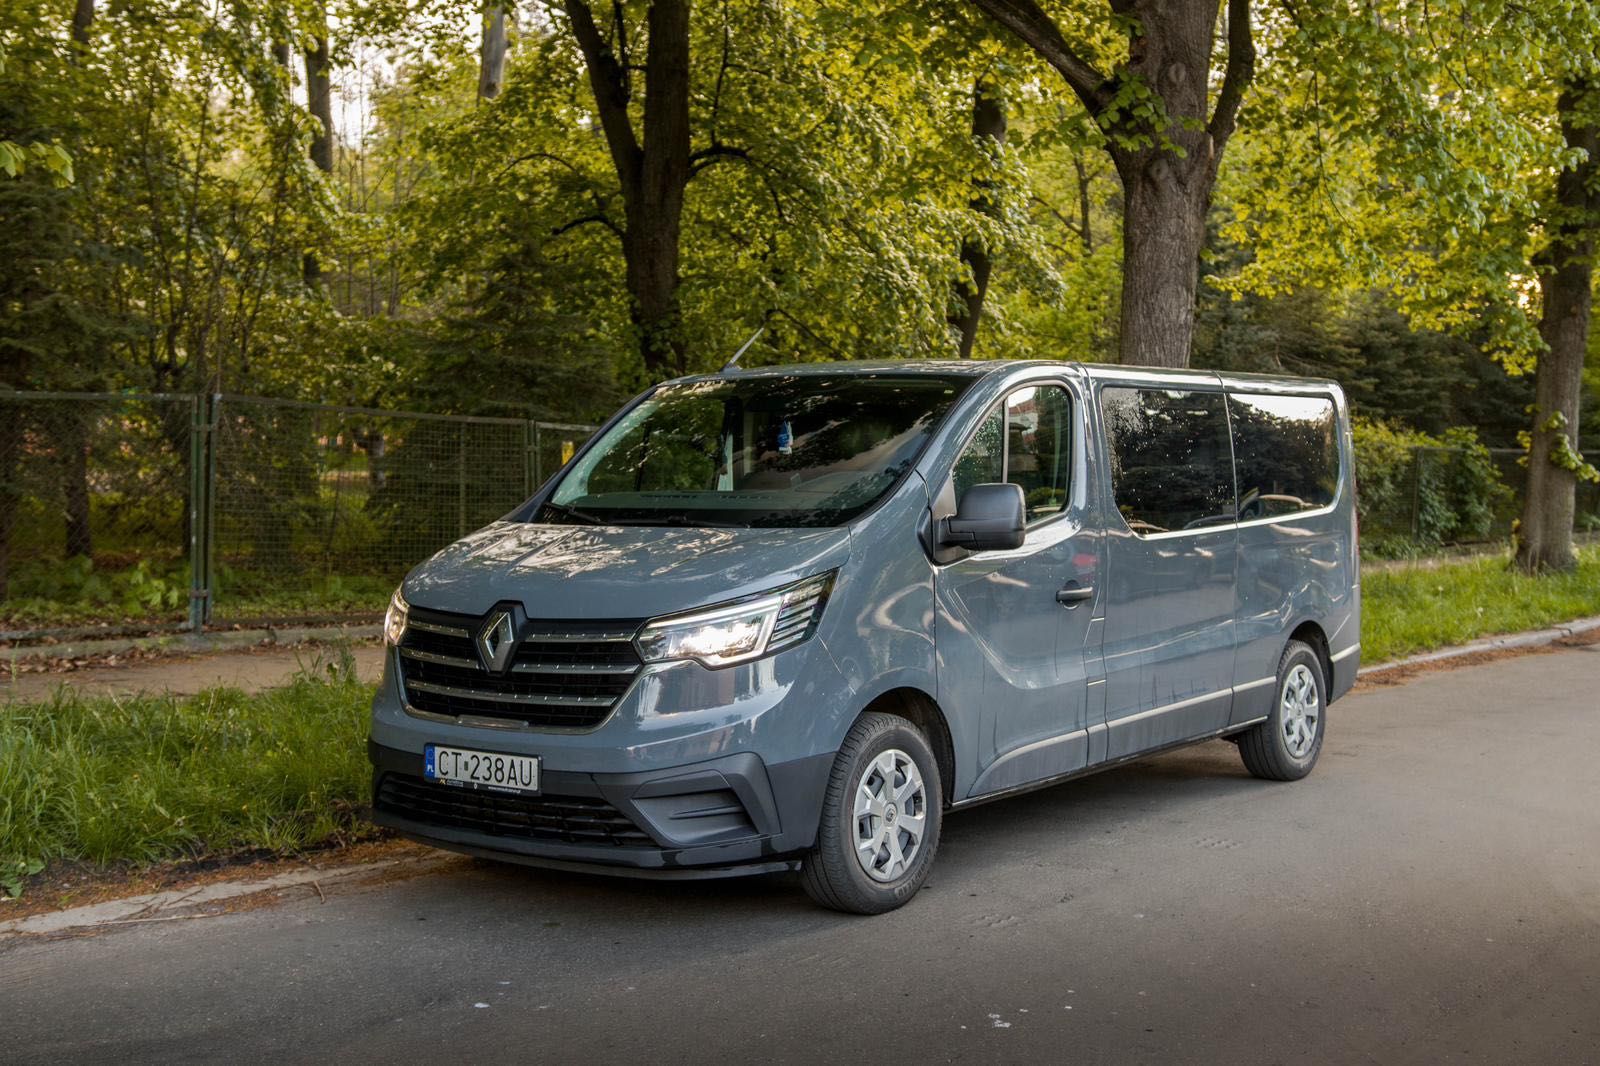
(1074, 594)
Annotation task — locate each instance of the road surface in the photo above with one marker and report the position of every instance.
(1431, 893)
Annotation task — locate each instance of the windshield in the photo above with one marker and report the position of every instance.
(803, 450)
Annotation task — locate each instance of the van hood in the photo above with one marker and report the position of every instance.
(631, 572)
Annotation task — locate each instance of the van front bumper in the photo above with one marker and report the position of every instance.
(726, 816)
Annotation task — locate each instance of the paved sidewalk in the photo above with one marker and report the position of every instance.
(251, 670)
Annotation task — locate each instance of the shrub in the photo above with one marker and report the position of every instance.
(1416, 492)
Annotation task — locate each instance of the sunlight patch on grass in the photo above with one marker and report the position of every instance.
(1409, 610)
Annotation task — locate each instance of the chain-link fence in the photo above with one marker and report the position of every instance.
(1442, 496)
(123, 513)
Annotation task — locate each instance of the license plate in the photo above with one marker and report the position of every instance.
(464, 768)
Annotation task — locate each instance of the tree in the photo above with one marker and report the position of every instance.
(653, 170)
(1566, 287)
(1433, 183)
(492, 53)
(1165, 135)
(989, 130)
(319, 101)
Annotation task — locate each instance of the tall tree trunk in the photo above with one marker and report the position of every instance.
(653, 175)
(319, 101)
(492, 53)
(989, 131)
(75, 487)
(1167, 171)
(1085, 230)
(1544, 538)
(82, 19)
(1163, 231)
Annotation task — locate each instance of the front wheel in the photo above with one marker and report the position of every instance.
(880, 819)
(1285, 746)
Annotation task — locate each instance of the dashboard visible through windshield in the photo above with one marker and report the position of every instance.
(775, 451)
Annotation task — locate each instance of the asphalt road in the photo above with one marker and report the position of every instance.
(1431, 893)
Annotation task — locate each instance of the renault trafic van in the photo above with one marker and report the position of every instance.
(787, 618)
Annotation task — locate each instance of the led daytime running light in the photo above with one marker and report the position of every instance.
(738, 632)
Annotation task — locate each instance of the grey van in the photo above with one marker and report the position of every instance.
(786, 618)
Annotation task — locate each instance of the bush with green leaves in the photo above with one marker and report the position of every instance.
(1416, 491)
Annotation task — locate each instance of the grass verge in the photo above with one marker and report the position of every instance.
(1407, 610)
(135, 780)
(139, 779)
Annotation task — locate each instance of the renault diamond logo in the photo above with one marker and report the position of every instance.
(497, 640)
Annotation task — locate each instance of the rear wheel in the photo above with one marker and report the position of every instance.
(1285, 747)
(880, 819)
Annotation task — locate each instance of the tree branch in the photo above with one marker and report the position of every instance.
(608, 80)
(1239, 72)
(704, 157)
(1038, 31)
(575, 223)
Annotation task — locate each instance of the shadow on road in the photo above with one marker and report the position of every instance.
(1041, 826)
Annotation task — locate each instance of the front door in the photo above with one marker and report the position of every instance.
(1013, 626)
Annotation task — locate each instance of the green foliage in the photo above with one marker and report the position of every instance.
(14, 875)
(1416, 492)
(154, 777)
(1562, 454)
(45, 592)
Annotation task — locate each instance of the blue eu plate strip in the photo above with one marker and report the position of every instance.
(427, 762)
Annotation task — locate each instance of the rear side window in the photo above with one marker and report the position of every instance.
(1287, 452)
(1171, 461)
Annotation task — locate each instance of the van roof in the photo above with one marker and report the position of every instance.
(983, 367)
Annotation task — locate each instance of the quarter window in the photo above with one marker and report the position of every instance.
(1287, 452)
(1026, 441)
(1171, 461)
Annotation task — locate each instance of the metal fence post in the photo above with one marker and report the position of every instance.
(538, 454)
(202, 483)
(461, 480)
(1416, 493)
(527, 459)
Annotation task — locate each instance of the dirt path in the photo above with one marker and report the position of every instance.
(249, 669)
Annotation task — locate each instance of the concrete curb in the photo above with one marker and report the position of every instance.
(189, 642)
(181, 903)
(1533, 638)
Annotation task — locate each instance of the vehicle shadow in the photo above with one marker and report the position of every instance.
(1047, 826)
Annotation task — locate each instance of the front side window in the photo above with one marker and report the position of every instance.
(801, 450)
(1026, 441)
(1171, 460)
(1287, 452)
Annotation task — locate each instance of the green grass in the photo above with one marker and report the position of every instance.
(1415, 609)
(140, 779)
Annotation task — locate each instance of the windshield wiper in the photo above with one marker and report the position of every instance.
(572, 512)
(683, 519)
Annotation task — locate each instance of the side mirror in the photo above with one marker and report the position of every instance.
(989, 518)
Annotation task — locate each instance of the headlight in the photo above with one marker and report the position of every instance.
(394, 620)
(739, 632)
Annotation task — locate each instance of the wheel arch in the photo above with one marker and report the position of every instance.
(1310, 633)
(922, 711)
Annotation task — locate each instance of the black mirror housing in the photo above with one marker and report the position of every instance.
(990, 517)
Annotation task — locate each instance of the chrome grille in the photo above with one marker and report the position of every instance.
(563, 675)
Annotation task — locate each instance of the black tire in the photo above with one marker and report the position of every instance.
(1265, 748)
(831, 873)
